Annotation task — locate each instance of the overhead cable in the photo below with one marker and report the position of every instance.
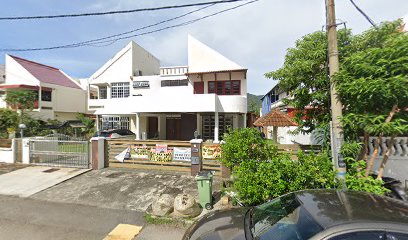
(109, 40)
(363, 13)
(116, 12)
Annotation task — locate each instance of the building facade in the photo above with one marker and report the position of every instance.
(60, 97)
(132, 91)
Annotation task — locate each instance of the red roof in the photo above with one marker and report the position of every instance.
(46, 74)
(275, 118)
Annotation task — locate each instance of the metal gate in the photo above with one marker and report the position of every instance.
(60, 151)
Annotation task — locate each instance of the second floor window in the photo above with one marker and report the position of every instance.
(120, 90)
(225, 87)
(46, 96)
(103, 93)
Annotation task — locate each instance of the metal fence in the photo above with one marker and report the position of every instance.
(60, 151)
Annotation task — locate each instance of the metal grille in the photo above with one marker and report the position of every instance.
(60, 151)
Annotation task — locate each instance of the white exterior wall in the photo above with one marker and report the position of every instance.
(144, 61)
(284, 137)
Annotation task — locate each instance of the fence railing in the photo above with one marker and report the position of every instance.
(5, 143)
(399, 150)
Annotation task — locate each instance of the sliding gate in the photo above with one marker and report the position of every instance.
(59, 151)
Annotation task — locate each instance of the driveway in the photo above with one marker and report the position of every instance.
(128, 189)
(27, 181)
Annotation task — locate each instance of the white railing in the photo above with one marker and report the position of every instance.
(170, 71)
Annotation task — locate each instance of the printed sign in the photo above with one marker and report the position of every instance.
(211, 152)
(161, 148)
(139, 152)
(141, 84)
(181, 154)
(124, 155)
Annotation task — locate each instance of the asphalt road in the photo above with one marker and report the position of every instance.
(26, 218)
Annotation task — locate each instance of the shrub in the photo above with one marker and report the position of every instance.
(258, 181)
(245, 144)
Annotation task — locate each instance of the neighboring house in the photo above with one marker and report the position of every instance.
(59, 96)
(274, 100)
(133, 92)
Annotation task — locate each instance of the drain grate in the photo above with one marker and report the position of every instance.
(51, 170)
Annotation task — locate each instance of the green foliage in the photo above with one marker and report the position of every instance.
(8, 120)
(89, 124)
(258, 181)
(245, 144)
(304, 75)
(21, 99)
(355, 180)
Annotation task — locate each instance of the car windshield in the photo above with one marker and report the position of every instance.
(283, 218)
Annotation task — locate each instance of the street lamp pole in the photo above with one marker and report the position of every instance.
(336, 105)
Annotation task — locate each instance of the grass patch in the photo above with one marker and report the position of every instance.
(167, 220)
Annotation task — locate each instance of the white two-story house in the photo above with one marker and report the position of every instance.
(132, 91)
(59, 96)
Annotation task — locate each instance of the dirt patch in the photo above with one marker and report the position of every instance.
(9, 167)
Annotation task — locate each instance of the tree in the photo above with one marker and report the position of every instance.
(373, 85)
(21, 99)
(89, 124)
(304, 76)
(8, 121)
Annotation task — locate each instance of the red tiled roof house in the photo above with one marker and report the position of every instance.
(59, 96)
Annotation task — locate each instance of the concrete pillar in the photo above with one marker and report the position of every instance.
(26, 151)
(244, 120)
(235, 121)
(137, 126)
(97, 123)
(196, 161)
(216, 127)
(162, 127)
(98, 153)
(275, 135)
(198, 125)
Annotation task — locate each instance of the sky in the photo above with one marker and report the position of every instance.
(255, 36)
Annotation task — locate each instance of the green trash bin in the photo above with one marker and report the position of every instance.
(204, 183)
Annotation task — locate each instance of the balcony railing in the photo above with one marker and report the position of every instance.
(171, 71)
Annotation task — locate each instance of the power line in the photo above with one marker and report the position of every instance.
(363, 13)
(111, 41)
(116, 12)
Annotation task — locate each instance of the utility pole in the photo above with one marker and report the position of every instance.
(336, 106)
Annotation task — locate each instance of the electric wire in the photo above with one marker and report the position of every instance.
(109, 41)
(116, 12)
(364, 14)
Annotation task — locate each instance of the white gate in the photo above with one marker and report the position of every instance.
(60, 151)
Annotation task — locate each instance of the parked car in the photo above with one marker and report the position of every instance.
(116, 133)
(309, 214)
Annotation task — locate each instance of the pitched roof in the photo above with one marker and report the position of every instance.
(46, 74)
(275, 118)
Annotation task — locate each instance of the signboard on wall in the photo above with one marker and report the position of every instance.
(181, 154)
(161, 148)
(141, 84)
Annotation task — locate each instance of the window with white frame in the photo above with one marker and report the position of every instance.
(103, 92)
(120, 90)
(114, 122)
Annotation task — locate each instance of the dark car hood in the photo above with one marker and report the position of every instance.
(219, 225)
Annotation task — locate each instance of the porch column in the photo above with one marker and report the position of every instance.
(216, 127)
(137, 126)
(235, 121)
(97, 123)
(198, 125)
(244, 120)
(39, 97)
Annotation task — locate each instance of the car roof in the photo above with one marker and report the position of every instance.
(335, 207)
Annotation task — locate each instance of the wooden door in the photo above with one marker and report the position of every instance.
(198, 87)
(152, 127)
(173, 127)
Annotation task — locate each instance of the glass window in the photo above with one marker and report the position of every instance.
(225, 87)
(103, 93)
(365, 235)
(120, 90)
(224, 123)
(46, 96)
(115, 122)
(283, 218)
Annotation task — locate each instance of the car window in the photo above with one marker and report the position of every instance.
(397, 236)
(283, 218)
(364, 235)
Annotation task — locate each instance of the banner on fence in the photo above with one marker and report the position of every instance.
(140, 152)
(211, 152)
(161, 148)
(181, 154)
